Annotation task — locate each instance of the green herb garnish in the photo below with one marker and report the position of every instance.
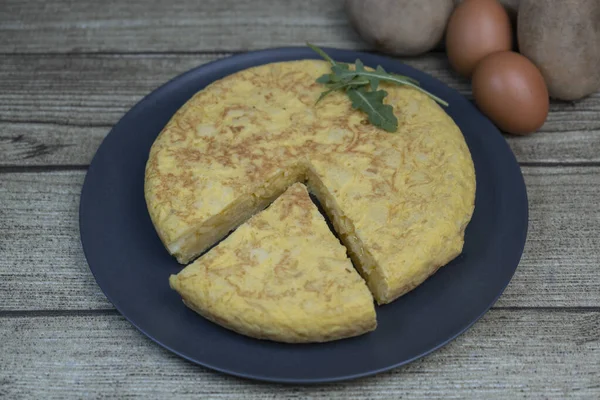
(361, 87)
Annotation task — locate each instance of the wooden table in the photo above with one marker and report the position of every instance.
(70, 69)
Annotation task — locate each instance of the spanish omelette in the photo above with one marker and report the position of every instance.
(400, 202)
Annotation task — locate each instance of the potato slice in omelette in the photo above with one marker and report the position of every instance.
(283, 276)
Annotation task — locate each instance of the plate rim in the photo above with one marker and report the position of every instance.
(267, 57)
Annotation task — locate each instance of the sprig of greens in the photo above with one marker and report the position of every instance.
(371, 102)
(356, 82)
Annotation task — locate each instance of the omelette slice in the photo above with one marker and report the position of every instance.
(282, 276)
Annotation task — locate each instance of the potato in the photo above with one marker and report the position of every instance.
(400, 27)
(562, 38)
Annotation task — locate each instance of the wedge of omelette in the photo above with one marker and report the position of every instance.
(281, 276)
(400, 202)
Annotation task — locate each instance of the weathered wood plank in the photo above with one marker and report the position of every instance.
(56, 109)
(507, 355)
(48, 144)
(88, 90)
(179, 25)
(42, 266)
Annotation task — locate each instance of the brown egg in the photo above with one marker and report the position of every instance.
(511, 91)
(476, 29)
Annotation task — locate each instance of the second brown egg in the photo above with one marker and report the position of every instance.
(511, 91)
(476, 29)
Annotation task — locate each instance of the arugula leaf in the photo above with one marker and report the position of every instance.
(360, 68)
(380, 114)
(322, 53)
(375, 81)
(355, 83)
(384, 76)
(341, 85)
(325, 78)
(408, 78)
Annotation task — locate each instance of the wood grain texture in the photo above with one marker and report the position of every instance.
(42, 264)
(508, 355)
(47, 143)
(56, 109)
(177, 25)
(43, 267)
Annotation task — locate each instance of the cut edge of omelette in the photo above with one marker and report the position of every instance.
(283, 276)
(383, 287)
(200, 237)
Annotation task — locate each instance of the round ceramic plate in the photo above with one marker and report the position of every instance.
(132, 267)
